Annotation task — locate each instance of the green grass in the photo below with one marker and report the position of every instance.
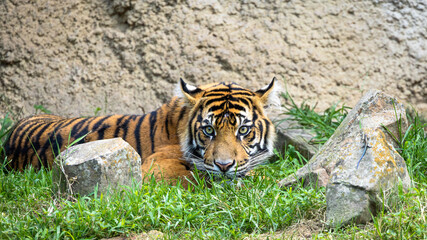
(29, 209)
(323, 124)
(413, 146)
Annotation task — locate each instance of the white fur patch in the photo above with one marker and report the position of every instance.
(191, 87)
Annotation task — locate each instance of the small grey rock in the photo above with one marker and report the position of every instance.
(104, 163)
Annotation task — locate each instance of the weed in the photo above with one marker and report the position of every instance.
(323, 124)
(40, 108)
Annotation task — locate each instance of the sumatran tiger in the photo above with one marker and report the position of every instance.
(217, 128)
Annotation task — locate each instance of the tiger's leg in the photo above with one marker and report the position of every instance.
(167, 164)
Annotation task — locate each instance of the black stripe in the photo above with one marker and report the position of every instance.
(88, 128)
(153, 119)
(197, 153)
(100, 128)
(76, 128)
(255, 116)
(230, 106)
(167, 125)
(37, 139)
(267, 126)
(199, 118)
(58, 144)
(208, 94)
(169, 115)
(16, 138)
(18, 150)
(138, 135)
(54, 144)
(246, 94)
(214, 100)
(242, 91)
(12, 137)
(227, 97)
(118, 125)
(98, 124)
(67, 122)
(27, 143)
(261, 128)
(217, 107)
(236, 106)
(245, 101)
(125, 127)
(238, 115)
(41, 132)
(85, 130)
(181, 113)
(190, 120)
(216, 90)
(101, 131)
(261, 132)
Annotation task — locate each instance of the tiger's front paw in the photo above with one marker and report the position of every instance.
(167, 164)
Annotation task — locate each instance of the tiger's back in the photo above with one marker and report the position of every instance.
(36, 140)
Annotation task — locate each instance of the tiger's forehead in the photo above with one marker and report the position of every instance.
(227, 103)
(224, 88)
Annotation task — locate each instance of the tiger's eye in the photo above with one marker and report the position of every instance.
(208, 130)
(243, 130)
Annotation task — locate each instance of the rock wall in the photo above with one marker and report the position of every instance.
(126, 56)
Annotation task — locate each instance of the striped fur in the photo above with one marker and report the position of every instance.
(219, 128)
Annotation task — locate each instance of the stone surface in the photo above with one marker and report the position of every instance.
(351, 188)
(291, 133)
(347, 203)
(104, 163)
(124, 56)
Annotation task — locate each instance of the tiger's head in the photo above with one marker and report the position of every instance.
(227, 132)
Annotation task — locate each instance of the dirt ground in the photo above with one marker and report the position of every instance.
(126, 56)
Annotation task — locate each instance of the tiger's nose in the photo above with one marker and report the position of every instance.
(224, 165)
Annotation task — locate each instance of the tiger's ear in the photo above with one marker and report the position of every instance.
(190, 92)
(267, 94)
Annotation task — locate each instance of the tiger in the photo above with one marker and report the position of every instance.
(219, 128)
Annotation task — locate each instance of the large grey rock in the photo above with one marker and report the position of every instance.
(105, 163)
(352, 188)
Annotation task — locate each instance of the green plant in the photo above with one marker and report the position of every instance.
(5, 128)
(413, 144)
(323, 124)
(41, 108)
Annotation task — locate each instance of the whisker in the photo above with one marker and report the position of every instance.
(194, 160)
